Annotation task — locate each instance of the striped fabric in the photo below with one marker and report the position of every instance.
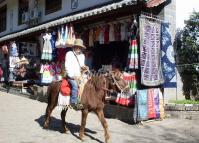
(133, 55)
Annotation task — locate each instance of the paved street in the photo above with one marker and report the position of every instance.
(21, 121)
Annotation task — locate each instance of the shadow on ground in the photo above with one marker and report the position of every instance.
(73, 128)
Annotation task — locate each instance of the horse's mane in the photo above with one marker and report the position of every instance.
(97, 82)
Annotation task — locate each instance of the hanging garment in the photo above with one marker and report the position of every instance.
(111, 33)
(61, 52)
(106, 34)
(97, 33)
(91, 38)
(66, 33)
(54, 51)
(151, 104)
(157, 103)
(168, 59)
(62, 42)
(124, 31)
(71, 37)
(53, 72)
(133, 55)
(47, 49)
(130, 78)
(46, 73)
(161, 101)
(117, 32)
(41, 41)
(150, 54)
(101, 35)
(58, 41)
(142, 105)
(14, 51)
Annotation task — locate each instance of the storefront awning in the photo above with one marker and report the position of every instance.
(93, 12)
(154, 3)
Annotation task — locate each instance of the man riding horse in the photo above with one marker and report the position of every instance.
(74, 63)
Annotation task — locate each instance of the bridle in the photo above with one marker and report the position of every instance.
(122, 89)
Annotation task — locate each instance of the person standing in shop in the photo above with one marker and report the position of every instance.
(74, 63)
(5, 64)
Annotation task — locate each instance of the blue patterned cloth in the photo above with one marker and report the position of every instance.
(168, 60)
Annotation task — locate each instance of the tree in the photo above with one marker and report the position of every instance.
(187, 41)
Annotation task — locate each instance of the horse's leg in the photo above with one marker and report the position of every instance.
(49, 110)
(63, 115)
(100, 115)
(83, 123)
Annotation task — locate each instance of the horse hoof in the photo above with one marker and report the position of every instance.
(45, 126)
(65, 130)
(108, 141)
(81, 137)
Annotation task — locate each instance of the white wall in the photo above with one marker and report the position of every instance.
(12, 5)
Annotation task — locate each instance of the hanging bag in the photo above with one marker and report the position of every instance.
(65, 88)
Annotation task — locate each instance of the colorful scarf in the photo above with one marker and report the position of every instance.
(150, 54)
(133, 55)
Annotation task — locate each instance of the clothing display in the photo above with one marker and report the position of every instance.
(47, 49)
(168, 60)
(14, 50)
(130, 78)
(132, 63)
(150, 53)
(46, 74)
(149, 105)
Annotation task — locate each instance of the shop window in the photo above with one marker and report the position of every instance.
(3, 18)
(23, 10)
(52, 6)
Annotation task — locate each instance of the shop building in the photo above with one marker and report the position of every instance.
(133, 35)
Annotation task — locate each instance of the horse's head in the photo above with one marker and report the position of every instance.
(115, 82)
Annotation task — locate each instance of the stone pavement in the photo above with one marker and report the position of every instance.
(21, 121)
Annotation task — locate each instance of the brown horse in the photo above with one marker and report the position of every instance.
(92, 98)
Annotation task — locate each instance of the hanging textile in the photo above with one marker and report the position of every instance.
(47, 49)
(161, 105)
(91, 36)
(111, 33)
(106, 34)
(157, 103)
(168, 60)
(46, 74)
(101, 35)
(142, 105)
(130, 78)
(151, 104)
(53, 41)
(132, 63)
(14, 51)
(150, 54)
(133, 55)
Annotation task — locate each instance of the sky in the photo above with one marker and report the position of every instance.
(183, 10)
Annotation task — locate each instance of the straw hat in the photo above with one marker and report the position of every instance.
(23, 61)
(79, 43)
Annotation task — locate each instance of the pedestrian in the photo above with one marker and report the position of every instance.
(74, 62)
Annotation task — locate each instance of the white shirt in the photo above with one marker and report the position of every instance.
(71, 64)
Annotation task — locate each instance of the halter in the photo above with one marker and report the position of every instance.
(117, 84)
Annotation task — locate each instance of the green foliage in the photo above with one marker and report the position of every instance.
(184, 101)
(187, 50)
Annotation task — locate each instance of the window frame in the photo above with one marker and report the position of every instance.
(3, 18)
(21, 9)
(53, 6)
